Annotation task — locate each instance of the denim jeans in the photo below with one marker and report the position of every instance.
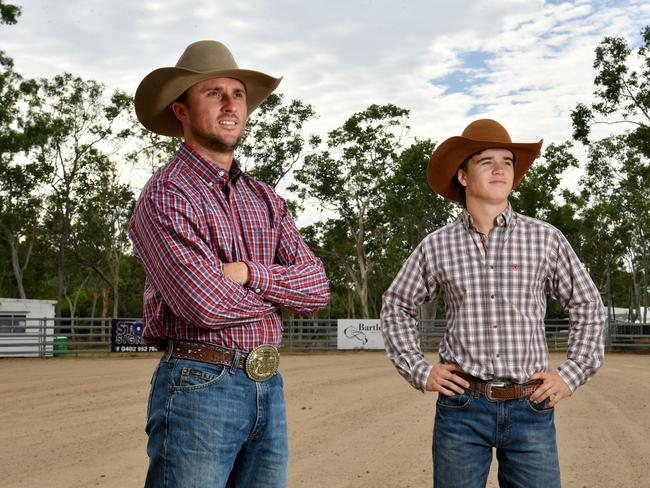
(212, 426)
(468, 426)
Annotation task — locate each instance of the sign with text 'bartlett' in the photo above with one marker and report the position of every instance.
(359, 334)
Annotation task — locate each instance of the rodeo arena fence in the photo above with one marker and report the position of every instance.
(22, 336)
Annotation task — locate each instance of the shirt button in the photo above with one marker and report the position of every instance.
(492, 297)
(491, 267)
(239, 238)
(221, 173)
(257, 290)
(494, 326)
(498, 355)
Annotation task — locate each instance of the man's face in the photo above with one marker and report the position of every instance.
(214, 113)
(489, 176)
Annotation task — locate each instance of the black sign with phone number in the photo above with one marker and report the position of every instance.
(126, 336)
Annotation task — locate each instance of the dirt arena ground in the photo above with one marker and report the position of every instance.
(353, 422)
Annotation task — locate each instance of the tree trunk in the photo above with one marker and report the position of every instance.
(63, 243)
(116, 288)
(93, 310)
(71, 306)
(644, 287)
(350, 305)
(15, 263)
(359, 238)
(104, 310)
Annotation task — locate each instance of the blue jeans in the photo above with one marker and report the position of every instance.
(468, 426)
(212, 426)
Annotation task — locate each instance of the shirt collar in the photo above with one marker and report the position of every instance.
(208, 171)
(504, 219)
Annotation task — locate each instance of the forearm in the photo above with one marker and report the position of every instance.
(402, 342)
(300, 288)
(581, 300)
(203, 295)
(586, 345)
(399, 324)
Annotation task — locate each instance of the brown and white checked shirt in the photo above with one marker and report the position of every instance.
(494, 294)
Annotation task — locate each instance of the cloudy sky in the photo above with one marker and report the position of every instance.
(525, 63)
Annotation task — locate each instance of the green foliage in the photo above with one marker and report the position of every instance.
(409, 212)
(148, 150)
(99, 233)
(64, 126)
(613, 201)
(535, 194)
(622, 93)
(274, 140)
(21, 182)
(9, 13)
(350, 177)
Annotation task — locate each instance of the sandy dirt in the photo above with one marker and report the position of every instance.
(353, 422)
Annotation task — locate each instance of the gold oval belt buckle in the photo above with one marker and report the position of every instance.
(262, 362)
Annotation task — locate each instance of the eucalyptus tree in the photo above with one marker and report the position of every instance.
(616, 187)
(20, 179)
(349, 178)
(81, 129)
(409, 212)
(99, 233)
(622, 92)
(274, 141)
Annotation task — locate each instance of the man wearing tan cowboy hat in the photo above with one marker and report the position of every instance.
(222, 256)
(495, 388)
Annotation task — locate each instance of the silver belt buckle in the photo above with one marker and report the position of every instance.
(262, 362)
(494, 384)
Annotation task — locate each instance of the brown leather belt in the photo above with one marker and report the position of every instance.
(499, 389)
(208, 353)
(260, 364)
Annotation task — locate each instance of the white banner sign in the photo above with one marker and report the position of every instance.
(359, 334)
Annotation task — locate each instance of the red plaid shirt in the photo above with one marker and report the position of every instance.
(192, 217)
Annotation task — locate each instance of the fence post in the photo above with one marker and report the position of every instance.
(290, 334)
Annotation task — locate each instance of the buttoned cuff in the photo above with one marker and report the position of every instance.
(260, 280)
(420, 375)
(571, 373)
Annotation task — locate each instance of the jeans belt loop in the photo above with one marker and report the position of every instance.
(168, 352)
(235, 362)
(477, 390)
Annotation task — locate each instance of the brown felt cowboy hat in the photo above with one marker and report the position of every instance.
(202, 60)
(479, 135)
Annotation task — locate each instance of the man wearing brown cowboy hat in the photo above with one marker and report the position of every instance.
(222, 256)
(492, 266)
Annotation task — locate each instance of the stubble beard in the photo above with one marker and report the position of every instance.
(216, 143)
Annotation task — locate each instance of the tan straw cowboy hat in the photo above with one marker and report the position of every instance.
(202, 60)
(479, 135)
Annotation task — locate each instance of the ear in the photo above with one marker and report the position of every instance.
(180, 111)
(462, 177)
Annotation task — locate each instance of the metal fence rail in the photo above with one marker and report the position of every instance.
(625, 335)
(321, 334)
(43, 337)
(62, 337)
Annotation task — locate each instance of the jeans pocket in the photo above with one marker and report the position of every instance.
(194, 376)
(541, 408)
(456, 401)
